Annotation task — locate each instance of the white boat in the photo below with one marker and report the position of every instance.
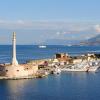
(57, 71)
(94, 69)
(84, 67)
(94, 66)
(75, 70)
(46, 73)
(42, 46)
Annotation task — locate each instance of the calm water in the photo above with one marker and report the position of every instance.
(67, 86)
(27, 52)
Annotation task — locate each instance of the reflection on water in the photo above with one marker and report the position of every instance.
(14, 89)
(67, 86)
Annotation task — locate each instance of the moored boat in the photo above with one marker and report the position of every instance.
(92, 66)
(57, 71)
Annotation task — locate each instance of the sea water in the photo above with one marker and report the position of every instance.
(66, 86)
(29, 52)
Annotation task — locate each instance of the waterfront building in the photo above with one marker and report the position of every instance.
(63, 58)
(15, 70)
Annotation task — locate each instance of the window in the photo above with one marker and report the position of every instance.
(6, 70)
(58, 55)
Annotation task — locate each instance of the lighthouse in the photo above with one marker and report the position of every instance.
(15, 70)
(14, 59)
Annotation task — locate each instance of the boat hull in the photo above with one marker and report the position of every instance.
(94, 69)
(74, 70)
(91, 69)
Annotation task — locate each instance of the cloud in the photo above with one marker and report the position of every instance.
(97, 28)
(49, 29)
(62, 28)
(58, 33)
(20, 22)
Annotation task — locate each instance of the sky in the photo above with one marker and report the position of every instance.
(42, 20)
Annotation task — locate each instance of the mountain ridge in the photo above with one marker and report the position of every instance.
(92, 41)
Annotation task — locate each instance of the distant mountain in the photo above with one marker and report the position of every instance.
(61, 42)
(93, 41)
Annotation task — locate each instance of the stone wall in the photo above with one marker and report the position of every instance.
(18, 71)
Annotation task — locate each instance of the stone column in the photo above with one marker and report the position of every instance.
(14, 60)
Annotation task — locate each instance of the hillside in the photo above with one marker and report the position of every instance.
(93, 41)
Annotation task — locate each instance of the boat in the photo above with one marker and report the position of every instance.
(76, 68)
(91, 66)
(57, 71)
(94, 66)
(42, 46)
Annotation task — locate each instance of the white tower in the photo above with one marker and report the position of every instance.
(14, 60)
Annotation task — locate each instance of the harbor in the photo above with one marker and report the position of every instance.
(55, 69)
(50, 50)
(43, 67)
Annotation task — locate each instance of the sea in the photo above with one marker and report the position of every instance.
(65, 86)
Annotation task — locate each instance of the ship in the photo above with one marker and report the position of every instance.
(42, 46)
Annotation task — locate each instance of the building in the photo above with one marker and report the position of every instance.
(63, 58)
(15, 70)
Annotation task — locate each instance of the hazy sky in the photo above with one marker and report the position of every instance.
(40, 20)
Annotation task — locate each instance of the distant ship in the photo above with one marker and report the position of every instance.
(42, 46)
